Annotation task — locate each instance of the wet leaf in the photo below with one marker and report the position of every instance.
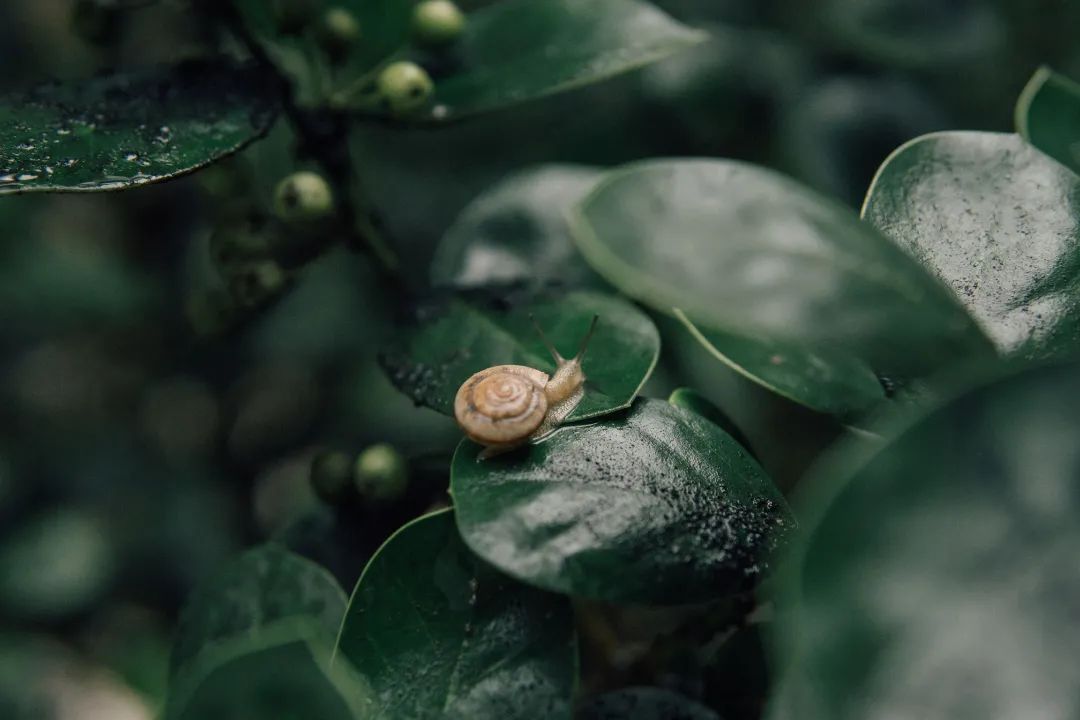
(644, 704)
(693, 401)
(1048, 116)
(996, 220)
(121, 130)
(471, 332)
(938, 576)
(656, 506)
(749, 253)
(517, 232)
(520, 50)
(437, 633)
(266, 587)
(831, 383)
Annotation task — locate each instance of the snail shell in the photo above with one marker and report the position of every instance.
(502, 405)
(508, 405)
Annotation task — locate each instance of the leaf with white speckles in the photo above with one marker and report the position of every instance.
(122, 130)
(1000, 223)
(657, 506)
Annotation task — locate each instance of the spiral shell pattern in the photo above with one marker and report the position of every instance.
(502, 405)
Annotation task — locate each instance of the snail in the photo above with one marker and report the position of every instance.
(506, 406)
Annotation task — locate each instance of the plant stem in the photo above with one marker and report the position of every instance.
(323, 136)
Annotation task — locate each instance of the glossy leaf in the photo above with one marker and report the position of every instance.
(938, 576)
(280, 674)
(657, 506)
(469, 333)
(644, 704)
(265, 587)
(831, 383)
(1048, 116)
(693, 401)
(747, 252)
(519, 50)
(517, 232)
(117, 131)
(437, 633)
(996, 220)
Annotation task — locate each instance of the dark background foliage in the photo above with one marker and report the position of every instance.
(136, 457)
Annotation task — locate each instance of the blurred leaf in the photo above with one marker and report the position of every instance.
(749, 253)
(938, 576)
(471, 332)
(831, 383)
(1048, 116)
(695, 402)
(55, 565)
(659, 506)
(644, 704)
(519, 50)
(517, 232)
(439, 634)
(121, 130)
(264, 588)
(910, 33)
(997, 221)
(278, 674)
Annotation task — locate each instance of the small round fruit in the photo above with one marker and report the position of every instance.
(303, 196)
(405, 87)
(331, 476)
(255, 284)
(292, 16)
(437, 22)
(238, 240)
(381, 473)
(338, 33)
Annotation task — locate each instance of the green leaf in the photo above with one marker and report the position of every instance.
(747, 252)
(645, 704)
(439, 634)
(831, 383)
(997, 221)
(277, 675)
(695, 402)
(938, 576)
(518, 50)
(517, 232)
(1048, 116)
(911, 33)
(472, 332)
(264, 588)
(122, 130)
(657, 506)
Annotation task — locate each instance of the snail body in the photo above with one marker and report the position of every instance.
(505, 406)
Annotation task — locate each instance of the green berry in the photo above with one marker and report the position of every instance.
(437, 22)
(381, 473)
(338, 33)
(293, 16)
(405, 87)
(254, 284)
(303, 196)
(331, 476)
(238, 240)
